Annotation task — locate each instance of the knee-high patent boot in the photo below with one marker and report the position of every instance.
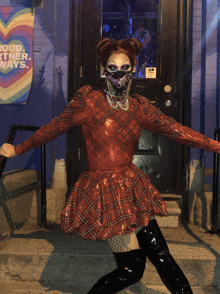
(130, 269)
(151, 238)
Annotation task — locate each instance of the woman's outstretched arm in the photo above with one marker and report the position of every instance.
(157, 122)
(75, 113)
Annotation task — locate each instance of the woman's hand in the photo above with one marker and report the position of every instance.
(7, 150)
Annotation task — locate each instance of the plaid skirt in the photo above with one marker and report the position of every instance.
(103, 204)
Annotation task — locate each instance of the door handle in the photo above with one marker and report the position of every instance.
(167, 103)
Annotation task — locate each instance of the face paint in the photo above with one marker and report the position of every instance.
(111, 67)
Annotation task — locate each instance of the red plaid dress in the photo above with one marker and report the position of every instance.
(114, 196)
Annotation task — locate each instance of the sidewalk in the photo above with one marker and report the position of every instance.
(36, 260)
(36, 288)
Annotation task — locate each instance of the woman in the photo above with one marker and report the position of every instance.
(114, 200)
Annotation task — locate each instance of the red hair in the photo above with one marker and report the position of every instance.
(106, 47)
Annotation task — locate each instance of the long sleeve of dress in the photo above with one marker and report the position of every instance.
(155, 121)
(74, 114)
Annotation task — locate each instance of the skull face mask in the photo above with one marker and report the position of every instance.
(119, 82)
(119, 74)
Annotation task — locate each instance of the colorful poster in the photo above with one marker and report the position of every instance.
(16, 54)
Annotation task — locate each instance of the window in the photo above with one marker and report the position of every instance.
(134, 19)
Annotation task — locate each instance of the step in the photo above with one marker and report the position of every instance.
(59, 262)
(172, 197)
(18, 194)
(72, 267)
(174, 213)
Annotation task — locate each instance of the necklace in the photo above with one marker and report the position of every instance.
(124, 104)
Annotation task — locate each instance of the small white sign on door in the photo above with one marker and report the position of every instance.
(150, 72)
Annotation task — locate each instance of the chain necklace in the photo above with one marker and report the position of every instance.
(124, 104)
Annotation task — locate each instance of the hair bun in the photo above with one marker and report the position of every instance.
(106, 46)
(103, 44)
(136, 44)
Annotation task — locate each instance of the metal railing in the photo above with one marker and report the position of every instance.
(11, 135)
(214, 225)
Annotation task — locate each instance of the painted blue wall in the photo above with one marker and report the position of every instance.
(48, 95)
(49, 90)
(205, 112)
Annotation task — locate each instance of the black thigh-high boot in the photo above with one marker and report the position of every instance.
(156, 249)
(130, 269)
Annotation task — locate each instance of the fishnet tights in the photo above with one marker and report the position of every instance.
(121, 243)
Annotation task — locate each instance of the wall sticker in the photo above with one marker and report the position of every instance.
(16, 54)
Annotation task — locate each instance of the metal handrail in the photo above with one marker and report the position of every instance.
(11, 135)
(214, 225)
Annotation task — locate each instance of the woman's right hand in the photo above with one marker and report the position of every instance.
(7, 150)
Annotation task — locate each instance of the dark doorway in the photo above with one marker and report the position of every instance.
(162, 75)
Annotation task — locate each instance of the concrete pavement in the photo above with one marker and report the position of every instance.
(36, 260)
